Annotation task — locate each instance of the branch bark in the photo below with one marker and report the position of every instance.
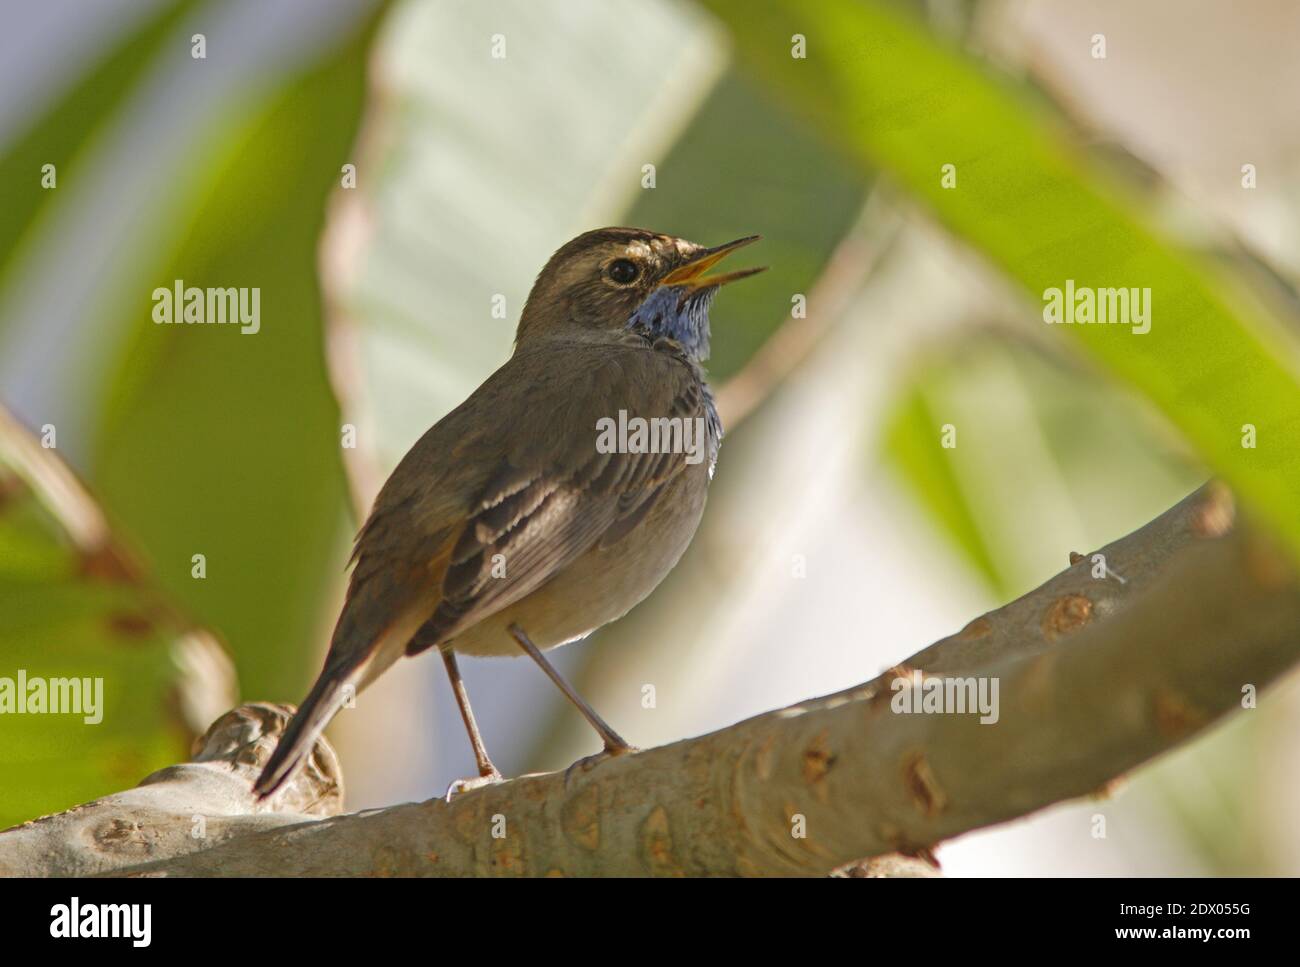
(1095, 676)
(200, 804)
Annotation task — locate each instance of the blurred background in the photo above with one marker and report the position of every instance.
(1147, 144)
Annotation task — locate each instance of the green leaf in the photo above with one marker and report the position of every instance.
(59, 133)
(1001, 444)
(227, 444)
(54, 761)
(912, 443)
(899, 99)
(64, 616)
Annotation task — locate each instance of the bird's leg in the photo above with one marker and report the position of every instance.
(487, 772)
(614, 744)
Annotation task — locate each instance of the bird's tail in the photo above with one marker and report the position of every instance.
(324, 699)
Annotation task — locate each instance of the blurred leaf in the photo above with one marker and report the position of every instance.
(1209, 793)
(227, 444)
(56, 761)
(912, 443)
(908, 103)
(61, 616)
(56, 136)
(1019, 428)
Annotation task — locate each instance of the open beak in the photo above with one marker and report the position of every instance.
(692, 274)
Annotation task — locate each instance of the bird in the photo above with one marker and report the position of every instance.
(554, 499)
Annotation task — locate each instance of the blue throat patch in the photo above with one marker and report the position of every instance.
(665, 314)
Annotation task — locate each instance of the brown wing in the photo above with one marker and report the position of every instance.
(536, 515)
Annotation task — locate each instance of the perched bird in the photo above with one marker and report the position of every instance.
(523, 519)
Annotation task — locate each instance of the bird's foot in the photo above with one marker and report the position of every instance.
(587, 763)
(469, 785)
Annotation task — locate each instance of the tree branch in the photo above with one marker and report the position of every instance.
(197, 805)
(1095, 676)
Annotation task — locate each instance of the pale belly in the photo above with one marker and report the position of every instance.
(602, 585)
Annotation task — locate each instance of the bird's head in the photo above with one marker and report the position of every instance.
(614, 279)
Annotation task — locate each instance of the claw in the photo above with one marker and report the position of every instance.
(587, 763)
(469, 785)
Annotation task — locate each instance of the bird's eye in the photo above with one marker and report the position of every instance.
(623, 271)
